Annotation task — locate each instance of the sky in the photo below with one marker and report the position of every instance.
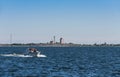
(76, 21)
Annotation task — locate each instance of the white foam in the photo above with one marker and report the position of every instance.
(21, 55)
(40, 55)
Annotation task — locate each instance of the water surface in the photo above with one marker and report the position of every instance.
(62, 62)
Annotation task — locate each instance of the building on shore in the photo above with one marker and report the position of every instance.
(61, 41)
(54, 39)
(51, 42)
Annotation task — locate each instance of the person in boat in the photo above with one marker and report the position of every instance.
(32, 51)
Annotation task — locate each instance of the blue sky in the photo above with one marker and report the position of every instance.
(77, 21)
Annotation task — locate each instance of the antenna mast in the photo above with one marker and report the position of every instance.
(11, 39)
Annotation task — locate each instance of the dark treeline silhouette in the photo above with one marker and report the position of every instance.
(58, 44)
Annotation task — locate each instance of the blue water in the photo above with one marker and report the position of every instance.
(62, 62)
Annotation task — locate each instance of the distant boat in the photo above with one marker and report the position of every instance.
(31, 52)
(34, 53)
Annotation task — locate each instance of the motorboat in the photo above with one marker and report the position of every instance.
(33, 52)
(30, 52)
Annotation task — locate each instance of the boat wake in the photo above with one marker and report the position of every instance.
(21, 55)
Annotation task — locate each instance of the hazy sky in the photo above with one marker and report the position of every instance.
(77, 21)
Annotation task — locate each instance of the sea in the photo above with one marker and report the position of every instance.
(62, 62)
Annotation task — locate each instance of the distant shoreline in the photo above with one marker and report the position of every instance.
(59, 45)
